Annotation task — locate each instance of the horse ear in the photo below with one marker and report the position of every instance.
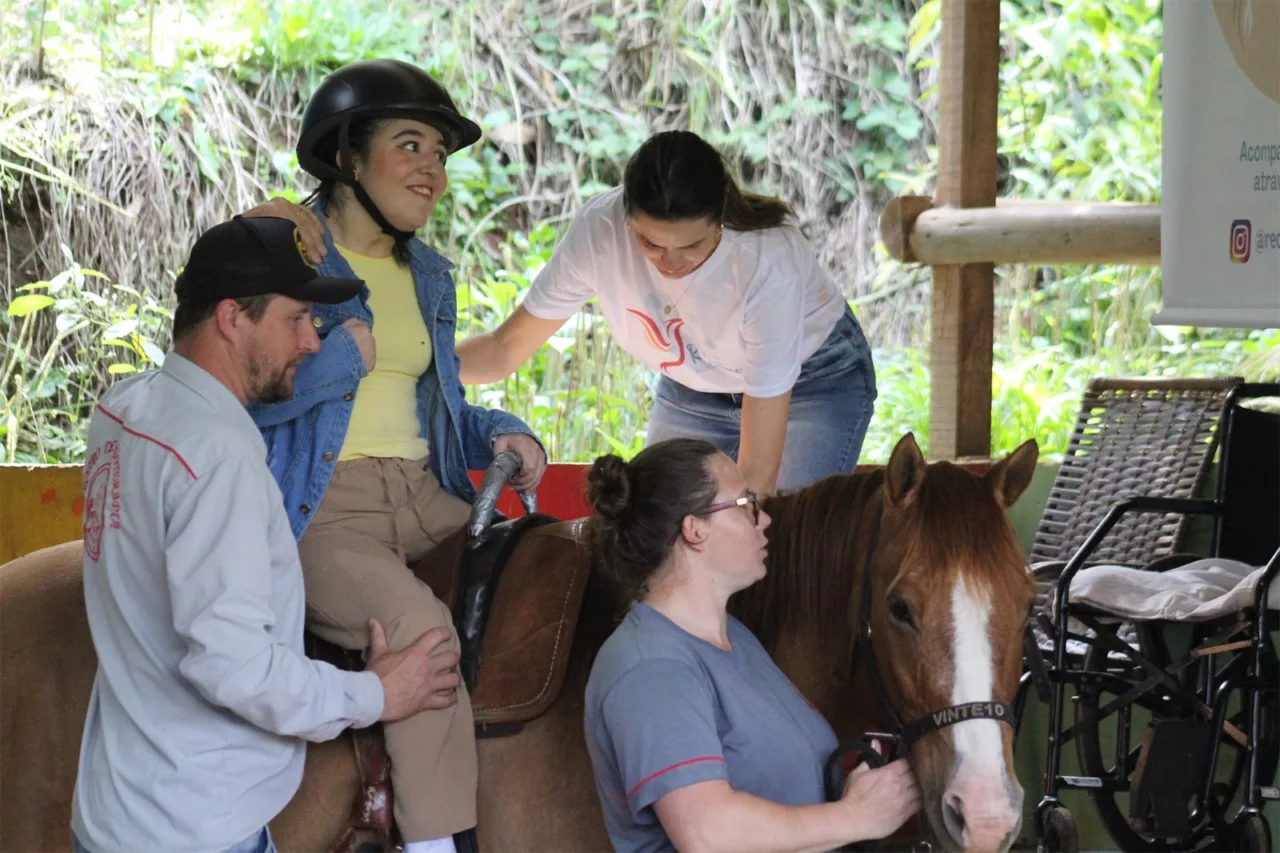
(1009, 477)
(906, 470)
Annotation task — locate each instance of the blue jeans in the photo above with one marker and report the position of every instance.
(831, 406)
(258, 842)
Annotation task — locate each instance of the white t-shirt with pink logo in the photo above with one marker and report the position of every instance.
(743, 322)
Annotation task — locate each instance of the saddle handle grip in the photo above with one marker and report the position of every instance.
(503, 467)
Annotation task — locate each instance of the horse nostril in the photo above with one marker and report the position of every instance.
(953, 818)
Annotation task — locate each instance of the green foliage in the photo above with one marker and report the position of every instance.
(103, 330)
(1081, 105)
(1036, 389)
(306, 35)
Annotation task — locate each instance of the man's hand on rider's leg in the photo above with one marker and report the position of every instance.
(420, 677)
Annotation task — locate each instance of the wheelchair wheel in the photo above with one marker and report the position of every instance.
(1113, 806)
(1058, 833)
(1251, 835)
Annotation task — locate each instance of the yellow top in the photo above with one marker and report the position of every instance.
(384, 420)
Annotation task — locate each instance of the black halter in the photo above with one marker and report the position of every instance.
(903, 736)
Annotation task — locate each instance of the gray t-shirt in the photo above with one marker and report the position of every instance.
(666, 709)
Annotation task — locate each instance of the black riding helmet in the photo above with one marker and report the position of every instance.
(379, 88)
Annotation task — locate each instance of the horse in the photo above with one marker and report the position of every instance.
(923, 549)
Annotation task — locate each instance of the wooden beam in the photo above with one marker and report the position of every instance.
(963, 300)
(898, 220)
(1022, 231)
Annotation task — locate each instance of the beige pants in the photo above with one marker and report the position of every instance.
(377, 516)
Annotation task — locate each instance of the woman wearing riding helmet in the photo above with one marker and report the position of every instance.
(372, 451)
(714, 288)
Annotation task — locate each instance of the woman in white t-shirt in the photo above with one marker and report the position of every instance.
(714, 288)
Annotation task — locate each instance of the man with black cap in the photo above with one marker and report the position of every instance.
(203, 699)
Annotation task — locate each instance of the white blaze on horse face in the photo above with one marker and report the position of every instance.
(979, 792)
(978, 743)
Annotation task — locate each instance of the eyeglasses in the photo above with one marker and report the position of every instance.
(749, 499)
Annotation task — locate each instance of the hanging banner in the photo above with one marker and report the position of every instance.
(1220, 207)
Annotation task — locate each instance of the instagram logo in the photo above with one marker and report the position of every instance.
(1241, 241)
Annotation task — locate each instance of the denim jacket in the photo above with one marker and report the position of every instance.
(304, 434)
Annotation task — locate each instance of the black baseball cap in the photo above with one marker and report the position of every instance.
(257, 256)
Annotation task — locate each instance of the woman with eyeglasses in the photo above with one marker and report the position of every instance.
(717, 290)
(697, 740)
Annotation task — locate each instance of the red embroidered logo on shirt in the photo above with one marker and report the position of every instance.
(101, 496)
(657, 336)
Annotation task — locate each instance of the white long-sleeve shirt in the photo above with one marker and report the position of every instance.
(203, 698)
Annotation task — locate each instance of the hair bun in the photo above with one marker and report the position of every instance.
(609, 486)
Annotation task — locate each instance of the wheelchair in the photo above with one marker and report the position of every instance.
(1175, 724)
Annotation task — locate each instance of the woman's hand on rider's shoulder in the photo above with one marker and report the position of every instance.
(308, 224)
(881, 800)
(534, 459)
(312, 233)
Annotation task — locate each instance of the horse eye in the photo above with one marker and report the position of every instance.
(901, 612)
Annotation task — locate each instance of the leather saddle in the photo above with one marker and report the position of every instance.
(515, 601)
(515, 589)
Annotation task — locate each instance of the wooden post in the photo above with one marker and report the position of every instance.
(963, 302)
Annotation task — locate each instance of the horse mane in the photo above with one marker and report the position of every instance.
(815, 547)
(818, 540)
(958, 524)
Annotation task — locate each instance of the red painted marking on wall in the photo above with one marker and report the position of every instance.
(562, 493)
(563, 490)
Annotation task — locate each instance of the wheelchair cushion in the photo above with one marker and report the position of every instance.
(1196, 592)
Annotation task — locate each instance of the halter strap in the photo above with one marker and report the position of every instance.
(1001, 712)
(865, 646)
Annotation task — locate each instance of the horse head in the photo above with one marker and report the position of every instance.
(949, 599)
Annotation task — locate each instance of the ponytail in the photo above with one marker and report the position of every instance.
(751, 212)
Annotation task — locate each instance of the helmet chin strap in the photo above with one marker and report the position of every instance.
(349, 178)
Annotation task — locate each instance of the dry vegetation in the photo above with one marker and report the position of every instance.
(768, 81)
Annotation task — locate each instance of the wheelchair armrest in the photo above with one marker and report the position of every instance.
(1184, 506)
(1262, 594)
